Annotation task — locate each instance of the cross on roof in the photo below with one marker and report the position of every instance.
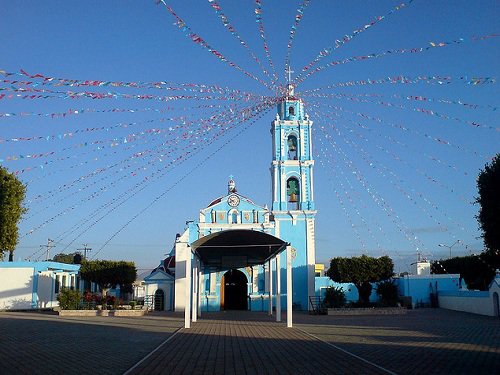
(289, 72)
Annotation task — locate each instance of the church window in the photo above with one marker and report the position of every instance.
(292, 147)
(234, 217)
(291, 111)
(293, 192)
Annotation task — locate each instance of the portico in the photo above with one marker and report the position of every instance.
(233, 249)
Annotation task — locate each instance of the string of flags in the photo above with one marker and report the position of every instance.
(197, 39)
(260, 23)
(299, 79)
(293, 30)
(345, 39)
(225, 21)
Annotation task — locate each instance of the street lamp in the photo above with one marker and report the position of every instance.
(449, 246)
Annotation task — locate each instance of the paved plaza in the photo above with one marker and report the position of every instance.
(430, 341)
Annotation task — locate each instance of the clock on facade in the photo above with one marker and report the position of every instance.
(233, 200)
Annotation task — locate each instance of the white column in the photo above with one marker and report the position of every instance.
(289, 292)
(270, 273)
(278, 288)
(200, 281)
(194, 295)
(187, 309)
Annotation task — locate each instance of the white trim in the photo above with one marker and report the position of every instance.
(187, 309)
(278, 288)
(289, 291)
(270, 273)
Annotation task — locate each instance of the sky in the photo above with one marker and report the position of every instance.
(141, 111)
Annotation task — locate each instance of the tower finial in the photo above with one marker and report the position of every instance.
(231, 186)
(289, 87)
(289, 72)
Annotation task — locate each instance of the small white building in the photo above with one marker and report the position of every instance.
(34, 285)
(160, 285)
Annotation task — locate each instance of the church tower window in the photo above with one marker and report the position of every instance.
(291, 111)
(292, 147)
(293, 192)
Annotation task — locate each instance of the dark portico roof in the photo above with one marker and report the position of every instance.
(237, 248)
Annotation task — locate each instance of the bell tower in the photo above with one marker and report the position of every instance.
(293, 189)
(292, 165)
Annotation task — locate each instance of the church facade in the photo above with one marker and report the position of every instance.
(234, 238)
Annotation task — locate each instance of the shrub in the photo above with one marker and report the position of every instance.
(388, 292)
(69, 299)
(334, 297)
(132, 304)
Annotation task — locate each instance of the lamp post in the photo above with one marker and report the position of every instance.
(449, 246)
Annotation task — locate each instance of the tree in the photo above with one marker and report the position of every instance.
(108, 274)
(73, 258)
(12, 193)
(477, 270)
(488, 185)
(361, 271)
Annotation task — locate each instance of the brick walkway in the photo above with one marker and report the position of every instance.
(425, 341)
(429, 341)
(220, 344)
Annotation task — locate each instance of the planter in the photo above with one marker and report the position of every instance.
(103, 312)
(367, 311)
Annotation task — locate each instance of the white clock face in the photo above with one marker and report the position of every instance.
(233, 200)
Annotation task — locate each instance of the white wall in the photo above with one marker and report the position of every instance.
(16, 288)
(46, 295)
(182, 251)
(470, 304)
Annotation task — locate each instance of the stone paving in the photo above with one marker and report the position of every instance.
(42, 343)
(425, 341)
(222, 343)
(430, 341)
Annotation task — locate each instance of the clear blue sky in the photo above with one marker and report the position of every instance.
(393, 175)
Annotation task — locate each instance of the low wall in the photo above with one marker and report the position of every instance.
(368, 311)
(141, 312)
(474, 302)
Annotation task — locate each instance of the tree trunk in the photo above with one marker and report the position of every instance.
(11, 256)
(364, 291)
(104, 298)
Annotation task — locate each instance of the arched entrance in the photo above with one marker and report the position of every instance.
(234, 293)
(159, 300)
(496, 305)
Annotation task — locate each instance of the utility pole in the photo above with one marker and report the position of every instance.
(49, 246)
(85, 250)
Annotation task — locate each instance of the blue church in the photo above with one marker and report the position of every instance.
(238, 250)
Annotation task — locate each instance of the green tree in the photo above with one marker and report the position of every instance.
(488, 185)
(476, 270)
(12, 193)
(108, 274)
(67, 258)
(361, 271)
